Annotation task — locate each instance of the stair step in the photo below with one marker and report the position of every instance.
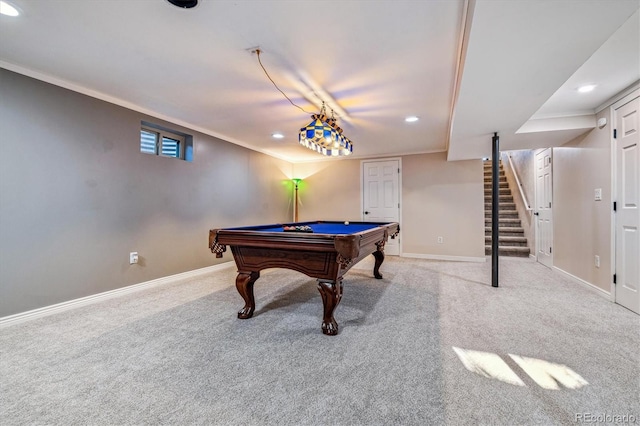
(502, 191)
(507, 241)
(505, 222)
(489, 185)
(489, 173)
(506, 230)
(501, 179)
(508, 216)
(506, 219)
(501, 205)
(501, 198)
(508, 238)
(509, 251)
(502, 214)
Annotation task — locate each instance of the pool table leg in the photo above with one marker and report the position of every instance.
(331, 292)
(244, 284)
(379, 255)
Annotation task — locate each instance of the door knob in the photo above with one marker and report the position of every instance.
(366, 212)
(536, 214)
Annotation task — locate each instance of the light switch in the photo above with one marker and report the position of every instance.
(598, 194)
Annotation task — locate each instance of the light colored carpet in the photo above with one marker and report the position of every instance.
(177, 354)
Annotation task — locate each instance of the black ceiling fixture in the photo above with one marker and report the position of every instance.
(185, 4)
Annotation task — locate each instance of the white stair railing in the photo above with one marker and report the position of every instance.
(515, 175)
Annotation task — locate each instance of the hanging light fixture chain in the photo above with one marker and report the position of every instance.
(276, 86)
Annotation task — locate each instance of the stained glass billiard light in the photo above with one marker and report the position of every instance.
(324, 136)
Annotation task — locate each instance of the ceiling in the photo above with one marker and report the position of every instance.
(466, 68)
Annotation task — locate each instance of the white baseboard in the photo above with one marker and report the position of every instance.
(444, 257)
(532, 256)
(588, 285)
(83, 301)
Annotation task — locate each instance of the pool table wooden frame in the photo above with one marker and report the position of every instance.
(326, 257)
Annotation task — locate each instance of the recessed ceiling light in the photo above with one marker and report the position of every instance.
(8, 9)
(586, 88)
(411, 119)
(277, 135)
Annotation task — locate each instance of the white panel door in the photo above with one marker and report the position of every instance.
(543, 211)
(627, 214)
(381, 196)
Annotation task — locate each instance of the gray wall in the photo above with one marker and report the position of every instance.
(76, 196)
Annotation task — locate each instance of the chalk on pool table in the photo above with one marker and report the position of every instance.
(346, 222)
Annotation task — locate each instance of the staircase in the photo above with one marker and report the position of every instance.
(511, 239)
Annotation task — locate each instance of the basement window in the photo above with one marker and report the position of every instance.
(158, 140)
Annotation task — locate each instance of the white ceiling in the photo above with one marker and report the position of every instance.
(512, 67)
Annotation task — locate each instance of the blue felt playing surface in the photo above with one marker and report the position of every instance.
(322, 228)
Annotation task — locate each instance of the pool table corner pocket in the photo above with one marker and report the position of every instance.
(216, 247)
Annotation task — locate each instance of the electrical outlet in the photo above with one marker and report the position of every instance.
(598, 194)
(440, 240)
(133, 257)
(597, 261)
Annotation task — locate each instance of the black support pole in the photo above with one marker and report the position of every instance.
(495, 215)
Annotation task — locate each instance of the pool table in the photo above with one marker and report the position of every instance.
(322, 250)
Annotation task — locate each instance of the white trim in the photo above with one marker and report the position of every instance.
(84, 301)
(616, 98)
(533, 257)
(614, 193)
(445, 257)
(586, 120)
(625, 100)
(595, 289)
